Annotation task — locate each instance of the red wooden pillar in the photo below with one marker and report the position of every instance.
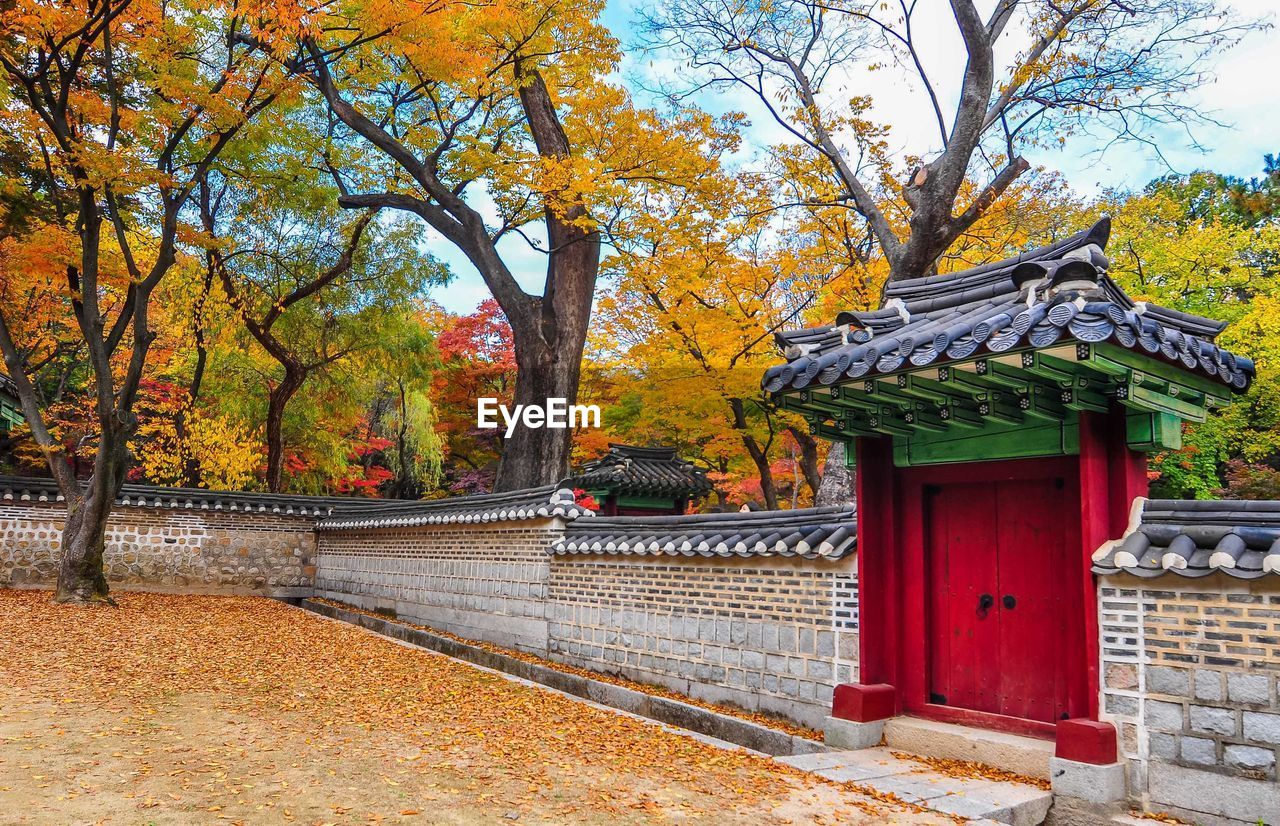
(879, 640)
(1111, 477)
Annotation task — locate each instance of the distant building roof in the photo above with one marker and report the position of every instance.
(1059, 292)
(646, 471)
(1195, 538)
(812, 533)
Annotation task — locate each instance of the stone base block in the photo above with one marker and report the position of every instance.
(1087, 781)
(847, 734)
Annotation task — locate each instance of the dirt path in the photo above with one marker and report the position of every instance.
(239, 710)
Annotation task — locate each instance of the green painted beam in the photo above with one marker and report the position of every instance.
(849, 397)
(887, 392)
(921, 388)
(1114, 356)
(1147, 399)
(1149, 432)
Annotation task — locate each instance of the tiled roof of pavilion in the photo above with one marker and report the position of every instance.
(1057, 293)
(1240, 538)
(811, 533)
(641, 470)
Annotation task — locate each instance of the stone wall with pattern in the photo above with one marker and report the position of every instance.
(767, 634)
(485, 582)
(1189, 676)
(187, 550)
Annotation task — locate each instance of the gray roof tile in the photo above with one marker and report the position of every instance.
(1060, 291)
(531, 503)
(812, 533)
(1195, 538)
(334, 512)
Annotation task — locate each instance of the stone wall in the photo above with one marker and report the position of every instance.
(188, 550)
(760, 633)
(485, 582)
(767, 634)
(1190, 672)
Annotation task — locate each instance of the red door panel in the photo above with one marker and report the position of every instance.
(1032, 617)
(963, 559)
(995, 552)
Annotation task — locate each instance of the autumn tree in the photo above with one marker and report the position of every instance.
(696, 294)
(1209, 244)
(499, 126)
(311, 284)
(402, 413)
(477, 359)
(121, 106)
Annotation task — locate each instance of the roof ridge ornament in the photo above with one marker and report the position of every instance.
(900, 307)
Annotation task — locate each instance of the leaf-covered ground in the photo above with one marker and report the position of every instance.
(186, 709)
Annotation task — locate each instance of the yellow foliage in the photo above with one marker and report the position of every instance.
(226, 454)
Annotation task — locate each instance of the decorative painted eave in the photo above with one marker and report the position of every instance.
(544, 502)
(40, 490)
(1034, 336)
(645, 471)
(1195, 538)
(810, 533)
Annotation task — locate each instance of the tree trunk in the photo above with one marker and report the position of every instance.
(808, 460)
(768, 488)
(276, 403)
(837, 486)
(81, 573)
(759, 455)
(533, 457)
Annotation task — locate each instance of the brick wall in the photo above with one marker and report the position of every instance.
(486, 582)
(1190, 673)
(759, 633)
(194, 551)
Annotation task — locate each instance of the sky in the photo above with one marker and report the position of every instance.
(1243, 94)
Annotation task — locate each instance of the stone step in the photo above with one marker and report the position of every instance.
(1017, 804)
(1014, 753)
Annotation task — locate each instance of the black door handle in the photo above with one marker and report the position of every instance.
(1009, 601)
(984, 604)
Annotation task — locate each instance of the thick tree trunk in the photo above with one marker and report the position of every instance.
(81, 573)
(277, 401)
(540, 456)
(837, 480)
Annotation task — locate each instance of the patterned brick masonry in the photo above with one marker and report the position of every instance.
(486, 582)
(759, 633)
(195, 551)
(1189, 675)
(766, 634)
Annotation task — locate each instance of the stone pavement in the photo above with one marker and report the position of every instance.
(1018, 804)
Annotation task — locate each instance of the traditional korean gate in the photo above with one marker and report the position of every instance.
(997, 632)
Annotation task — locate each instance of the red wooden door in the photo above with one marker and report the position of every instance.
(997, 624)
